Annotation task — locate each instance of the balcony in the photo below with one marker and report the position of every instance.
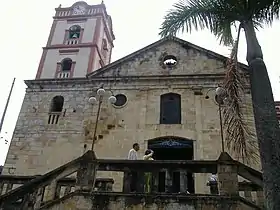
(72, 41)
(56, 190)
(63, 75)
(53, 118)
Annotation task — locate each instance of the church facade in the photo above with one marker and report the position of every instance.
(160, 89)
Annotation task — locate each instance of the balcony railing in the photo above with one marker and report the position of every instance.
(41, 191)
(72, 41)
(63, 74)
(64, 186)
(54, 117)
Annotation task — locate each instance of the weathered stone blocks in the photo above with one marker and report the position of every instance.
(38, 147)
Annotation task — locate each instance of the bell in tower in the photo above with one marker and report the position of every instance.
(75, 36)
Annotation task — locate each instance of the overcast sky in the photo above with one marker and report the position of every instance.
(26, 25)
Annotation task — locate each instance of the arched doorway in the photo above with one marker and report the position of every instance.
(173, 148)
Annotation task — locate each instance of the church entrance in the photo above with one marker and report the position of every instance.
(173, 148)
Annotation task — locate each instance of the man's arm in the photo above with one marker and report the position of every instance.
(148, 156)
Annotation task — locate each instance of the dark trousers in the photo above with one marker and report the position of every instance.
(133, 181)
(213, 187)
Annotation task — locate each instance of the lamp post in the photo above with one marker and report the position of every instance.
(100, 94)
(220, 99)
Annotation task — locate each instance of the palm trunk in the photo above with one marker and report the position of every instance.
(267, 127)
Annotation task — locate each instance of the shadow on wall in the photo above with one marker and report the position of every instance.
(1, 168)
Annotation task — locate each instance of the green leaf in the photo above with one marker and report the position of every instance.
(218, 16)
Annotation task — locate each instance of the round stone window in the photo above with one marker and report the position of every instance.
(121, 100)
(170, 61)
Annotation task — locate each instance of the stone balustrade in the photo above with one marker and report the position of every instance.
(58, 188)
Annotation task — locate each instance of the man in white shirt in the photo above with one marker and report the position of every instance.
(132, 155)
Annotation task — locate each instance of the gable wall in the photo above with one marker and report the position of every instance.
(190, 61)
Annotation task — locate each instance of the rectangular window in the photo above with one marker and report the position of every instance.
(170, 108)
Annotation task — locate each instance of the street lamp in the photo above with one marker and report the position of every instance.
(100, 93)
(220, 99)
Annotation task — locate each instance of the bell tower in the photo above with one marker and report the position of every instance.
(80, 42)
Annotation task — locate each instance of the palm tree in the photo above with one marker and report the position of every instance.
(219, 16)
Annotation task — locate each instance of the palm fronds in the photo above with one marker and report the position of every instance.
(240, 137)
(265, 11)
(198, 14)
(185, 16)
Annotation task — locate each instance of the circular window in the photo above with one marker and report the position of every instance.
(170, 61)
(121, 100)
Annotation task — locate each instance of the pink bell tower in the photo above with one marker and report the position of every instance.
(80, 42)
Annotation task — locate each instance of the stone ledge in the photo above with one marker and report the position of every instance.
(89, 81)
(196, 201)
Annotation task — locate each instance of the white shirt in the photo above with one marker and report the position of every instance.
(132, 155)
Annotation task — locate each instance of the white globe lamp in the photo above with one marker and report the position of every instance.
(100, 92)
(92, 100)
(220, 91)
(112, 99)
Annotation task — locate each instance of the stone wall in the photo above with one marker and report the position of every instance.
(38, 147)
(135, 202)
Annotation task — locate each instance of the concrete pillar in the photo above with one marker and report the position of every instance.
(260, 198)
(227, 175)
(67, 190)
(183, 181)
(200, 180)
(168, 181)
(143, 107)
(126, 181)
(155, 181)
(39, 198)
(198, 146)
(248, 195)
(51, 191)
(86, 174)
(1, 188)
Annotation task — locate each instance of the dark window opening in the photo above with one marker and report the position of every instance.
(170, 108)
(66, 64)
(74, 32)
(104, 44)
(104, 48)
(57, 104)
(56, 109)
(121, 100)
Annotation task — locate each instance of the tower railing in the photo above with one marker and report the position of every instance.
(72, 41)
(63, 74)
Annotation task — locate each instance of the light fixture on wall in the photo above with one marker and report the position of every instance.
(98, 99)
